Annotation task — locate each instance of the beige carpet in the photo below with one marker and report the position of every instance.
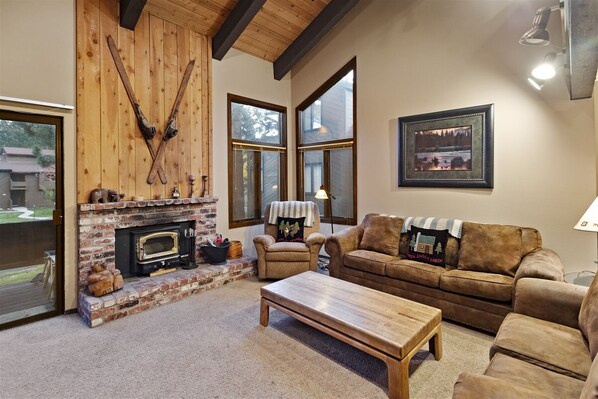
(212, 346)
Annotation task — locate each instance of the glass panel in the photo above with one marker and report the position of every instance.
(28, 235)
(313, 176)
(244, 184)
(270, 178)
(331, 116)
(256, 124)
(341, 182)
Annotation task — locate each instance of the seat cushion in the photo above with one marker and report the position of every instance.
(288, 251)
(496, 287)
(588, 317)
(475, 386)
(518, 372)
(549, 345)
(490, 248)
(415, 272)
(367, 261)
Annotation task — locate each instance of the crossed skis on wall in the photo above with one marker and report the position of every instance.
(149, 131)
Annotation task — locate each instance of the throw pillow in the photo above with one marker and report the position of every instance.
(426, 245)
(382, 234)
(490, 248)
(290, 229)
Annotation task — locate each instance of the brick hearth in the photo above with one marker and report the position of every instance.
(144, 293)
(97, 226)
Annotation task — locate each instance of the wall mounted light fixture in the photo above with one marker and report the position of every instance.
(535, 82)
(546, 70)
(538, 35)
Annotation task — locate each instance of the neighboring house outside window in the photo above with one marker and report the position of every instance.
(257, 158)
(326, 149)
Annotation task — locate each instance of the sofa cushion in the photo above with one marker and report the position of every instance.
(588, 317)
(427, 245)
(550, 345)
(367, 261)
(496, 287)
(490, 248)
(475, 386)
(518, 372)
(382, 234)
(590, 388)
(415, 272)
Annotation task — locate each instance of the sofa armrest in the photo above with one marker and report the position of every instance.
(264, 240)
(475, 386)
(337, 245)
(554, 301)
(544, 264)
(314, 239)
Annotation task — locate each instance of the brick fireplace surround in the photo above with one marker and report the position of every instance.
(97, 224)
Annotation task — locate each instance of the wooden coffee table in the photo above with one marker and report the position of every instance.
(390, 328)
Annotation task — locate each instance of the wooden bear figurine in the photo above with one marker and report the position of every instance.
(102, 281)
(104, 195)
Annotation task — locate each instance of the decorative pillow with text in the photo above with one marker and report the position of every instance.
(428, 246)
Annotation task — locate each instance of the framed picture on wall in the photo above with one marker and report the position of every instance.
(451, 148)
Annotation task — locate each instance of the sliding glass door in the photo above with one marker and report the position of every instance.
(31, 271)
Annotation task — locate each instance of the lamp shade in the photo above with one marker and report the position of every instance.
(589, 220)
(546, 69)
(321, 194)
(538, 35)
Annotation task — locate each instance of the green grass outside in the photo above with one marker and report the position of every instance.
(19, 275)
(13, 216)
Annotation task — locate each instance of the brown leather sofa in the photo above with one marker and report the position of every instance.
(474, 287)
(546, 348)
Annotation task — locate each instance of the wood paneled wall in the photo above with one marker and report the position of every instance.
(111, 152)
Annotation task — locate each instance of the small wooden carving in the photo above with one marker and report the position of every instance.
(104, 195)
(102, 281)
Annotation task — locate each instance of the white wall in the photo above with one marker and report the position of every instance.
(37, 62)
(36, 50)
(430, 55)
(246, 76)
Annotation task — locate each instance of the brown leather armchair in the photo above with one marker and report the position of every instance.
(278, 260)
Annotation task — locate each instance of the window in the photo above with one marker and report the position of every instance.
(257, 158)
(326, 150)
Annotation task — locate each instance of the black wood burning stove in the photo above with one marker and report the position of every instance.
(142, 250)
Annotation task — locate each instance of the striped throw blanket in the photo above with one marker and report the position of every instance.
(292, 209)
(454, 226)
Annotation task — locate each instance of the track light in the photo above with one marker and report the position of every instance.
(538, 35)
(535, 82)
(546, 69)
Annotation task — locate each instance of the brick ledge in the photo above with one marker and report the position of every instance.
(145, 203)
(139, 294)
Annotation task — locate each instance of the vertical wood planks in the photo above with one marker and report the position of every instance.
(88, 97)
(109, 107)
(111, 150)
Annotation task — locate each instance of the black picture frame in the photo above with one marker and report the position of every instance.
(453, 148)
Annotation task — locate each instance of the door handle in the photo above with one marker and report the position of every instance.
(57, 217)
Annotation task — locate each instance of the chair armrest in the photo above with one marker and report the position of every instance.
(315, 238)
(544, 264)
(337, 245)
(264, 240)
(475, 386)
(554, 301)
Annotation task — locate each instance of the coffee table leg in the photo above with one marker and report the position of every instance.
(436, 344)
(264, 312)
(398, 378)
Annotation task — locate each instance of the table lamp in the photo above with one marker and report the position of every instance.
(323, 194)
(588, 222)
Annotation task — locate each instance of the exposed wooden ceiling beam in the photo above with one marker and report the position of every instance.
(581, 17)
(322, 24)
(130, 11)
(234, 25)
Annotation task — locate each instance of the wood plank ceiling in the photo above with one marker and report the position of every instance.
(267, 34)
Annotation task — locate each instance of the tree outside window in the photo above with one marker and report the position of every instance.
(257, 158)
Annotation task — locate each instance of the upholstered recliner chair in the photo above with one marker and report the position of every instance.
(278, 260)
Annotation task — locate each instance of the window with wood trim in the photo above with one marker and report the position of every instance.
(257, 158)
(326, 146)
